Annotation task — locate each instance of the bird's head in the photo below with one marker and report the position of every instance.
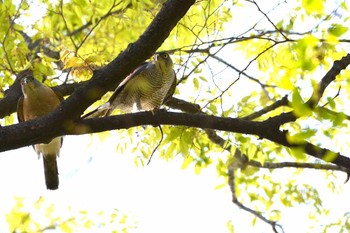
(29, 84)
(164, 59)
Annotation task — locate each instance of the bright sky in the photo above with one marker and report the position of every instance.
(159, 198)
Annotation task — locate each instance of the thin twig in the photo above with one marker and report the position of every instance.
(231, 183)
(333, 98)
(16, 15)
(317, 166)
(243, 73)
(66, 25)
(88, 24)
(160, 141)
(265, 15)
(267, 109)
(97, 23)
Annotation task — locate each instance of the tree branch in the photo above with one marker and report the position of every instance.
(89, 23)
(282, 102)
(268, 19)
(330, 76)
(337, 67)
(38, 45)
(31, 132)
(241, 158)
(297, 165)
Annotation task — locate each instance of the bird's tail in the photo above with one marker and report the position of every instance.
(98, 112)
(51, 172)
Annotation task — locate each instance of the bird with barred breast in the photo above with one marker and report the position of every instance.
(38, 100)
(146, 88)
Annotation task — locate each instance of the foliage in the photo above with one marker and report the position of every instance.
(30, 217)
(229, 61)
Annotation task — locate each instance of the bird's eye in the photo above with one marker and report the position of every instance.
(29, 78)
(165, 55)
(26, 80)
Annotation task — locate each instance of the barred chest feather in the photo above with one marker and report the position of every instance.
(161, 83)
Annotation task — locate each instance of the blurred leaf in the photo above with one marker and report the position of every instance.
(298, 105)
(330, 156)
(337, 30)
(313, 6)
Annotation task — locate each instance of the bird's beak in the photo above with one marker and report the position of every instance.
(155, 57)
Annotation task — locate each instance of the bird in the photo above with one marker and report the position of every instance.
(148, 87)
(38, 100)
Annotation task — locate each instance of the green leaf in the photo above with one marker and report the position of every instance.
(195, 83)
(186, 162)
(297, 152)
(230, 226)
(301, 137)
(337, 30)
(299, 107)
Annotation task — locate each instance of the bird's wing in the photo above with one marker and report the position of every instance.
(171, 90)
(20, 115)
(134, 74)
(60, 97)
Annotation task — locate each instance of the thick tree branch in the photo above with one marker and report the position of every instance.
(337, 67)
(261, 129)
(28, 133)
(268, 129)
(241, 158)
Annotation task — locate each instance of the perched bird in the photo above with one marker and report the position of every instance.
(146, 88)
(38, 100)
